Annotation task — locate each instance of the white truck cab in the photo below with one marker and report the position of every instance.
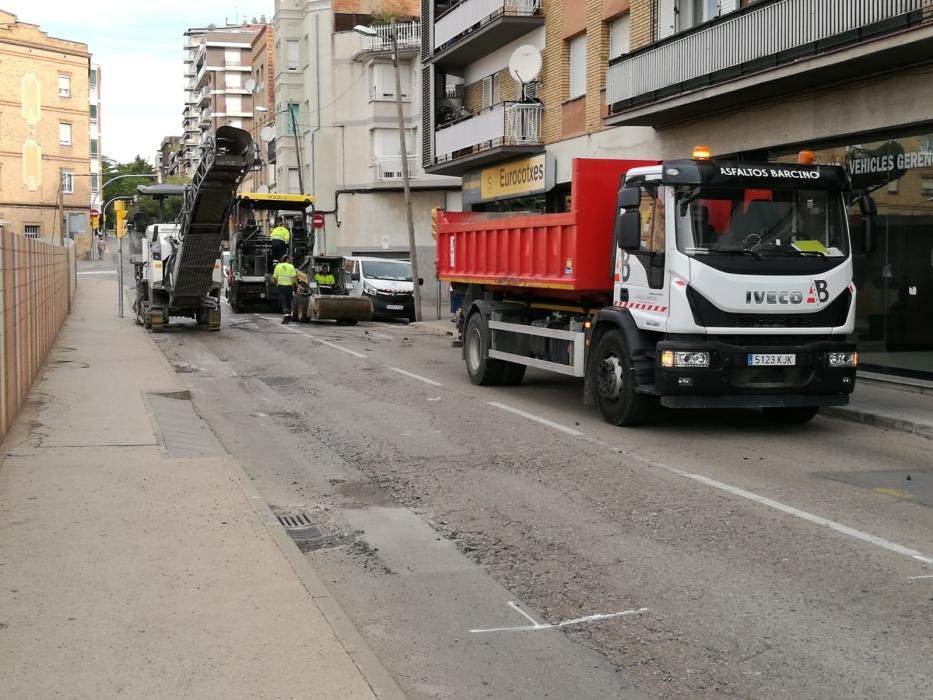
(388, 283)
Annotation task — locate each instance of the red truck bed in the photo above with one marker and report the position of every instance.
(567, 253)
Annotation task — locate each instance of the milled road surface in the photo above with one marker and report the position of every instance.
(749, 560)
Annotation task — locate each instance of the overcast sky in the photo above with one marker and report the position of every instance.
(138, 44)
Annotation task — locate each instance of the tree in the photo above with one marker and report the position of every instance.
(125, 187)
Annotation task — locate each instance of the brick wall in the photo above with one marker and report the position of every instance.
(555, 70)
(640, 14)
(36, 288)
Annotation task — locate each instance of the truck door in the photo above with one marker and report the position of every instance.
(643, 282)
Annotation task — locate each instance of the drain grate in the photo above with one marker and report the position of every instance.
(295, 522)
(308, 536)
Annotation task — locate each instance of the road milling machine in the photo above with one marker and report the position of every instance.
(178, 273)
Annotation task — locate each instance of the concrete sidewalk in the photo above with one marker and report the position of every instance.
(135, 557)
(906, 406)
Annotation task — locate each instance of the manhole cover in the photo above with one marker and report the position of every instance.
(308, 536)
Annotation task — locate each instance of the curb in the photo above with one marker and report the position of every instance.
(877, 420)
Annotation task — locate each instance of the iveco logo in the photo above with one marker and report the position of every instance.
(818, 291)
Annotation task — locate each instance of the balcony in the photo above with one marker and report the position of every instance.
(204, 96)
(500, 132)
(471, 29)
(205, 120)
(409, 41)
(389, 168)
(768, 50)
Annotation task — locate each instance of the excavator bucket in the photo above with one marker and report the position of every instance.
(343, 309)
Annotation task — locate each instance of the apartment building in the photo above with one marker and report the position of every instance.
(218, 64)
(96, 149)
(262, 65)
(338, 88)
(167, 161)
(45, 142)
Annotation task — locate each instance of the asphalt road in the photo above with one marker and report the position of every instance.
(507, 543)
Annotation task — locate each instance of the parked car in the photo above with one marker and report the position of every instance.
(387, 283)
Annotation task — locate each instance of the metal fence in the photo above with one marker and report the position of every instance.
(761, 32)
(467, 14)
(37, 285)
(409, 37)
(506, 124)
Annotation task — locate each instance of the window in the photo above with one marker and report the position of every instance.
(68, 182)
(291, 54)
(232, 57)
(31, 230)
(577, 83)
(383, 75)
(490, 91)
(93, 114)
(64, 86)
(232, 79)
(291, 118)
(64, 134)
(619, 34)
(926, 186)
(95, 183)
(234, 104)
(94, 148)
(92, 80)
(293, 184)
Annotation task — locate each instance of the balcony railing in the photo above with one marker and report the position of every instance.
(789, 28)
(509, 124)
(389, 168)
(469, 14)
(204, 95)
(409, 37)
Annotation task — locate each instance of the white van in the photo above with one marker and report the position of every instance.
(386, 282)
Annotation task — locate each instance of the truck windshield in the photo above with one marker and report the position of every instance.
(761, 222)
(395, 270)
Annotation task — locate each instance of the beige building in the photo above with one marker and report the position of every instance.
(44, 131)
(262, 65)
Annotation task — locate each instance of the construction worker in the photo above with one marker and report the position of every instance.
(280, 237)
(324, 278)
(284, 277)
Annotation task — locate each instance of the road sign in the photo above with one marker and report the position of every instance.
(317, 220)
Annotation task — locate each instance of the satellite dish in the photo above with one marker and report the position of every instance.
(267, 133)
(525, 64)
(250, 85)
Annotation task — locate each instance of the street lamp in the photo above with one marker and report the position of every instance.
(294, 122)
(403, 150)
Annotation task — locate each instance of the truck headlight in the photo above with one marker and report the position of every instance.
(671, 358)
(369, 289)
(842, 359)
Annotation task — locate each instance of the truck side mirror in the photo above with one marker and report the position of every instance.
(629, 198)
(869, 210)
(628, 230)
(355, 276)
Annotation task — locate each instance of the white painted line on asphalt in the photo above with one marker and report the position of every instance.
(914, 578)
(99, 272)
(566, 623)
(537, 419)
(777, 505)
(528, 617)
(416, 376)
(383, 336)
(326, 342)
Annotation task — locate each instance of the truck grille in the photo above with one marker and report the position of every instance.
(707, 314)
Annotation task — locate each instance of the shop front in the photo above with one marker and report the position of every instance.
(524, 185)
(894, 254)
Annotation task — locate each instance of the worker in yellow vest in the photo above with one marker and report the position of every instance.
(284, 277)
(280, 236)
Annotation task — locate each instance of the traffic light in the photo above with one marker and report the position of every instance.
(119, 210)
(95, 220)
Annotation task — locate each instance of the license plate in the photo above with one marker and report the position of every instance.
(395, 307)
(771, 360)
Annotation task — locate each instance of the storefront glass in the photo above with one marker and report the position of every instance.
(894, 271)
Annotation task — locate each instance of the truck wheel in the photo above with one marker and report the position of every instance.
(482, 370)
(615, 385)
(791, 415)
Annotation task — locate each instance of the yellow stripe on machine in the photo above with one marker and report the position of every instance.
(276, 198)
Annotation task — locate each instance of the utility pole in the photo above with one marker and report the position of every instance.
(406, 182)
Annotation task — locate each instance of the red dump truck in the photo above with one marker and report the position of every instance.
(688, 283)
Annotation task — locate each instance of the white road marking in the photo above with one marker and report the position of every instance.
(326, 342)
(528, 617)
(777, 505)
(914, 578)
(537, 419)
(99, 272)
(383, 336)
(566, 623)
(416, 376)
